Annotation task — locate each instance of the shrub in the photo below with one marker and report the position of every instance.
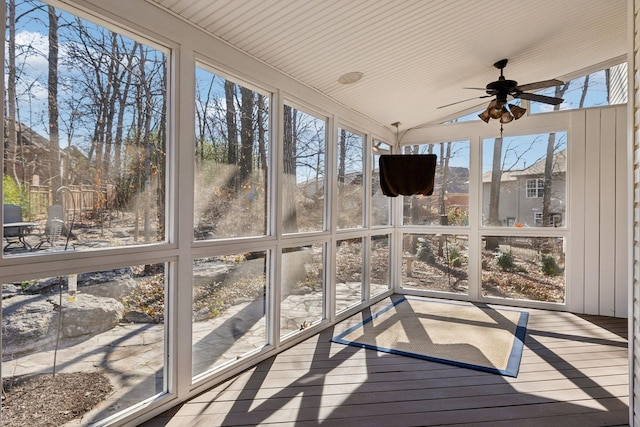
(505, 261)
(15, 195)
(549, 265)
(425, 253)
(454, 256)
(457, 216)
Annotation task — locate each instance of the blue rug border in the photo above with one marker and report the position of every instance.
(513, 365)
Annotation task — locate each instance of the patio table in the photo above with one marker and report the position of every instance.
(23, 229)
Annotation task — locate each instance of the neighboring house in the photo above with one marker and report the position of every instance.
(33, 154)
(522, 192)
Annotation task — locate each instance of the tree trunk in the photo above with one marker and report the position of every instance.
(548, 162)
(246, 137)
(262, 143)
(147, 138)
(12, 131)
(232, 128)
(442, 194)
(548, 177)
(122, 105)
(52, 82)
(494, 196)
(342, 155)
(290, 220)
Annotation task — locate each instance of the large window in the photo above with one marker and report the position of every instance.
(350, 166)
(604, 87)
(435, 262)
(349, 274)
(521, 180)
(380, 204)
(302, 288)
(449, 203)
(86, 132)
(524, 268)
(229, 308)
(379, 262)
(304, 180)
(85, 170)
(100, 335)
(231, 158)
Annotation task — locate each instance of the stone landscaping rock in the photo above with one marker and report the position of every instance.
(30, 322)
(90, 315)
(210, 272)
(110, 284)
(138, 317)
(26, 324)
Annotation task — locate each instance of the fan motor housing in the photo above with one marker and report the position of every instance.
(499, 86)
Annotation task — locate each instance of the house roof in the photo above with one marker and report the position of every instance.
(559, 165)
(416, 55)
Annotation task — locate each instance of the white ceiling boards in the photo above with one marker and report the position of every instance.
(415, 55)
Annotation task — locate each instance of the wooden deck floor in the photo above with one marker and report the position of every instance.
(574, 372)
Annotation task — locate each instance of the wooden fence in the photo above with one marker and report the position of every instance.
(85, 200)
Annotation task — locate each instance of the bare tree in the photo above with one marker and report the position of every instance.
(262, 114)
(12, 133)
(232, 127)
(246, 136)
(203, 129)
(494, 194)
(290, 220)
(342, 155)
(549, 159)
(54, 138)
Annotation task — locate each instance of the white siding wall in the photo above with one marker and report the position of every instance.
(598, 210)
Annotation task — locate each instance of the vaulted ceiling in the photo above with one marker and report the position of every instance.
(416, 55)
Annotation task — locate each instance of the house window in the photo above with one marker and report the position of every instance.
(535, 188)
(537, 219)
(555, 219)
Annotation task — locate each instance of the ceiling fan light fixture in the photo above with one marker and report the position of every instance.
(484, 116)
(506, 116)
(517, 111)
(495, 112)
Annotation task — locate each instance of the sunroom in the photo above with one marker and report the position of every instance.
(192, 197)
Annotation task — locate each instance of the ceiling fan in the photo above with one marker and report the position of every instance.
(502, 88)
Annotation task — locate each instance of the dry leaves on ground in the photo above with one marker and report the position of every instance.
(45, 400)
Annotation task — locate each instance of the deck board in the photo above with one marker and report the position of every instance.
(574, 372)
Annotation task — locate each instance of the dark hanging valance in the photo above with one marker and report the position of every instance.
(407, 174)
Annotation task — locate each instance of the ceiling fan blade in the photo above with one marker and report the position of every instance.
(539, 85)
(464, 100)
(538, 98)
(475, 88)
